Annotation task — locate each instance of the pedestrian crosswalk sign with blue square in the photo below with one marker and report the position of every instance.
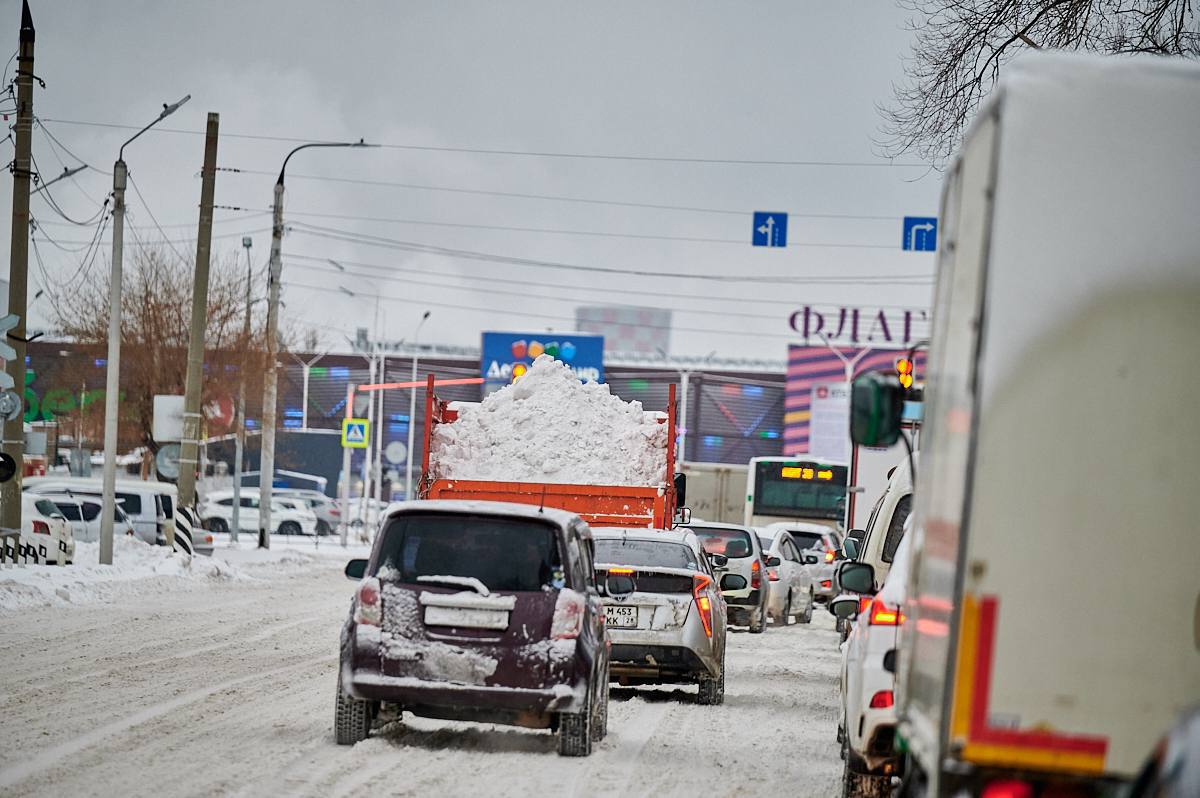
(355, 433)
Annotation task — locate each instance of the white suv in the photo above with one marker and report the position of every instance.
(289, 515)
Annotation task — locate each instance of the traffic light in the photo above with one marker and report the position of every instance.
(904, 369)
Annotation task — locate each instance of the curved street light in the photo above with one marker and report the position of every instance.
(113, 376)
(266, 477)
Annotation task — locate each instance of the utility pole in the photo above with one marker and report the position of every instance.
(18, 279)
(239, 442)
(344, 487)
(412, 411)
(195, 366)
(112, 380)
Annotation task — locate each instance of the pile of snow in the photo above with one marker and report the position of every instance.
(549, 427)
(137, 567)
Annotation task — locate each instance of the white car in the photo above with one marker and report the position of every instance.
(868, 725)
(45, 535)
(82, 513)
(289, 516)
(792, 592)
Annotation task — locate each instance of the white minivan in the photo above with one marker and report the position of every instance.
(150, 506)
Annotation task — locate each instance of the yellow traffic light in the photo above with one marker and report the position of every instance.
(904, 368)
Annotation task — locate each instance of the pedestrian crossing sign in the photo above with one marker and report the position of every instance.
(355, 432)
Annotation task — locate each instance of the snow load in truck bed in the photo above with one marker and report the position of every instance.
(549, 427)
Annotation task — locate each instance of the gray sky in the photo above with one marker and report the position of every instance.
(784, 81)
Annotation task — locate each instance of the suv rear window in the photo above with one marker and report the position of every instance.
(730, 542)
(502, 553)
(645, 553)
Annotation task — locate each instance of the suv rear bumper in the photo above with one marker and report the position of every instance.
(409, 691)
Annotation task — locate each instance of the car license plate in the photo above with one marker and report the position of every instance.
(466, 618)
(621, 616)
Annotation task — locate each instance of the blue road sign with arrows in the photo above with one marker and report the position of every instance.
(770, 229)
(920, 234)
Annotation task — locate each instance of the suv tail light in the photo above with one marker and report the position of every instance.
(703, 602)
(755, 575)
(883, 699)
(369, 608)
(41, 528)
(568, 615)
(883, 615)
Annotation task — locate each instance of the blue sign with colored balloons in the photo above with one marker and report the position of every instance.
(507, 355)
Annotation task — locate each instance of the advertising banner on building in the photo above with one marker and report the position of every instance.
(508, 354)
(809, 366)
(829, 422)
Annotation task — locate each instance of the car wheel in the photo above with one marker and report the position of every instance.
(808, 610)
(575, 730)
(323, 529)
(600, 715)
(352, 717)
(758, 626)
(289, 528)
(218, 526)
(786, 618)
(712, 689)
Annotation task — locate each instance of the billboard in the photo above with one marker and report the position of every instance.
(506, 353)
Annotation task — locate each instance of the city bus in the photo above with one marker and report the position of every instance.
(796, 489)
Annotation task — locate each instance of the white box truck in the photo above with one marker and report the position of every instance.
(1052, 629)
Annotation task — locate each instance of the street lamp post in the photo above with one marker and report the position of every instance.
(412, 411)
(113, 376)
(267, 469)
(239, 442)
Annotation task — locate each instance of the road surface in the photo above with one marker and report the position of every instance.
(228, 689)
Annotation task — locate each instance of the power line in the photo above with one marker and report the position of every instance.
(639, 294)
(408, 246)
(161, 232)
(554, 197)
(521, 153)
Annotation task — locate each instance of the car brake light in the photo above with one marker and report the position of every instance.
(568, 615)
(703, 602)
(829, 555)
(863, 603)
(755, 575)
(1007, 789)
(883, 699)
(41, 528)
(334, 511)
(826, 583)
(883, 615)
(368, 609)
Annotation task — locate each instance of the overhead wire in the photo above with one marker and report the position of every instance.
(157, 226)
(409, 246)
(522, 153)
(48, 198)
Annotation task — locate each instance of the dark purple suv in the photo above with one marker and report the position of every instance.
(477, 611)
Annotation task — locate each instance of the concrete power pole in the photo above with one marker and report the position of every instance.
(14, 431)
(190, 444)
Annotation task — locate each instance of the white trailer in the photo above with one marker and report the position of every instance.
(1053, 629)
(716, 491)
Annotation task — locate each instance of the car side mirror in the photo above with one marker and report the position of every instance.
(844, 607)
(619, 585)
(356, 569)
(680, 483)
(876, 405)
(683, 516)
(850, 548)
(889, 661)
(733, 582)
(774, 562)
(718, 561)
(857, 577)
(810, 559)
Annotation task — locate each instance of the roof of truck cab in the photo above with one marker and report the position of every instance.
(559, 517)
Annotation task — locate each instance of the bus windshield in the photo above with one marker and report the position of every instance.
(800, 489)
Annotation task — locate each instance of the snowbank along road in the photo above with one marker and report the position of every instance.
(228, 688)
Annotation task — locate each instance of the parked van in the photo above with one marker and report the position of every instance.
(150, 506)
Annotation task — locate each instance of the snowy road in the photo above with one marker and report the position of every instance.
(232, 692)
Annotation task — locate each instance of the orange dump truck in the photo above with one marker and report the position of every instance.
(599, 505)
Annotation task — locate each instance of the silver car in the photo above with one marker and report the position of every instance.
(663, 608)
(740, 545)
(822, 543)
(793, 592)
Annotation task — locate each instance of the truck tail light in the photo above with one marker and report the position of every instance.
(41, 528)
(369, 607)
(568, 615)
(755, 575)
(883, 615)
(883, 699)
(703, 602)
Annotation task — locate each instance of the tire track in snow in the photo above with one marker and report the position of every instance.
(48, 757)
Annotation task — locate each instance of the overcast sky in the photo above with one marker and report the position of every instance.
(768, 81)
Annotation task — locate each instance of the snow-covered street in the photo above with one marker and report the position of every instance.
(226, 688)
